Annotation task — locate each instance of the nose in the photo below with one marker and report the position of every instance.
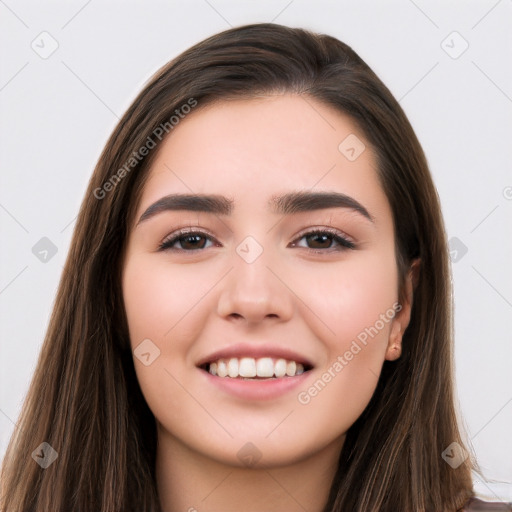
(255, 291)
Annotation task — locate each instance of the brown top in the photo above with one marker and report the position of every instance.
(476, 505)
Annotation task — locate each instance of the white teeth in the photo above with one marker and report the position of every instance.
(280, 368)
(222, 369)
(291, 366)
(249, 367)
(265, 367)
(233, 367)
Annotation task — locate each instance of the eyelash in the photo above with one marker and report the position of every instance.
(337, 236)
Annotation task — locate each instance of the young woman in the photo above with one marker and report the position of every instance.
(255, 313)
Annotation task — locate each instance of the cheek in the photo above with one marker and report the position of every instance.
(358, 305)
(158, 298)
(351, 297)
(169, 305)
(357, 302)
(162, 305)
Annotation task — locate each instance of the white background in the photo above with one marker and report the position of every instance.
(57, 112)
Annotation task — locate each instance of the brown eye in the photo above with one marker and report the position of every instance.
(320, 240)
(189, 241)
(323, 239)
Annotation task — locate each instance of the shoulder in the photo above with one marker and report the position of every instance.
(477, 505)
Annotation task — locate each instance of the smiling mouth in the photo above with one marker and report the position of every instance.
(249, 368)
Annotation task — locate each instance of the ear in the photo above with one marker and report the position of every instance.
(403, 316)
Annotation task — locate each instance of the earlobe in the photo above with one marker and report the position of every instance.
(394, 349)
(401, 321)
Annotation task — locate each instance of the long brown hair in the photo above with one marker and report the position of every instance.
(84, 399)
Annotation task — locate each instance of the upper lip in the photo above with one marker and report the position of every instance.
(257, 351)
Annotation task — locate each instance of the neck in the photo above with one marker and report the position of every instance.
(189, 481)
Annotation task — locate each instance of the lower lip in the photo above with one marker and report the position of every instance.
(256, 389)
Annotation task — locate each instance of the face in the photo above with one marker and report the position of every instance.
(249, 283)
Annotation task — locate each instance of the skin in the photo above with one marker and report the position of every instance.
(191, 302)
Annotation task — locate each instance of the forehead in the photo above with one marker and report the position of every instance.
(250, 149)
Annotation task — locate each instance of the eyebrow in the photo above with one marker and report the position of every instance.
(286, 204)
